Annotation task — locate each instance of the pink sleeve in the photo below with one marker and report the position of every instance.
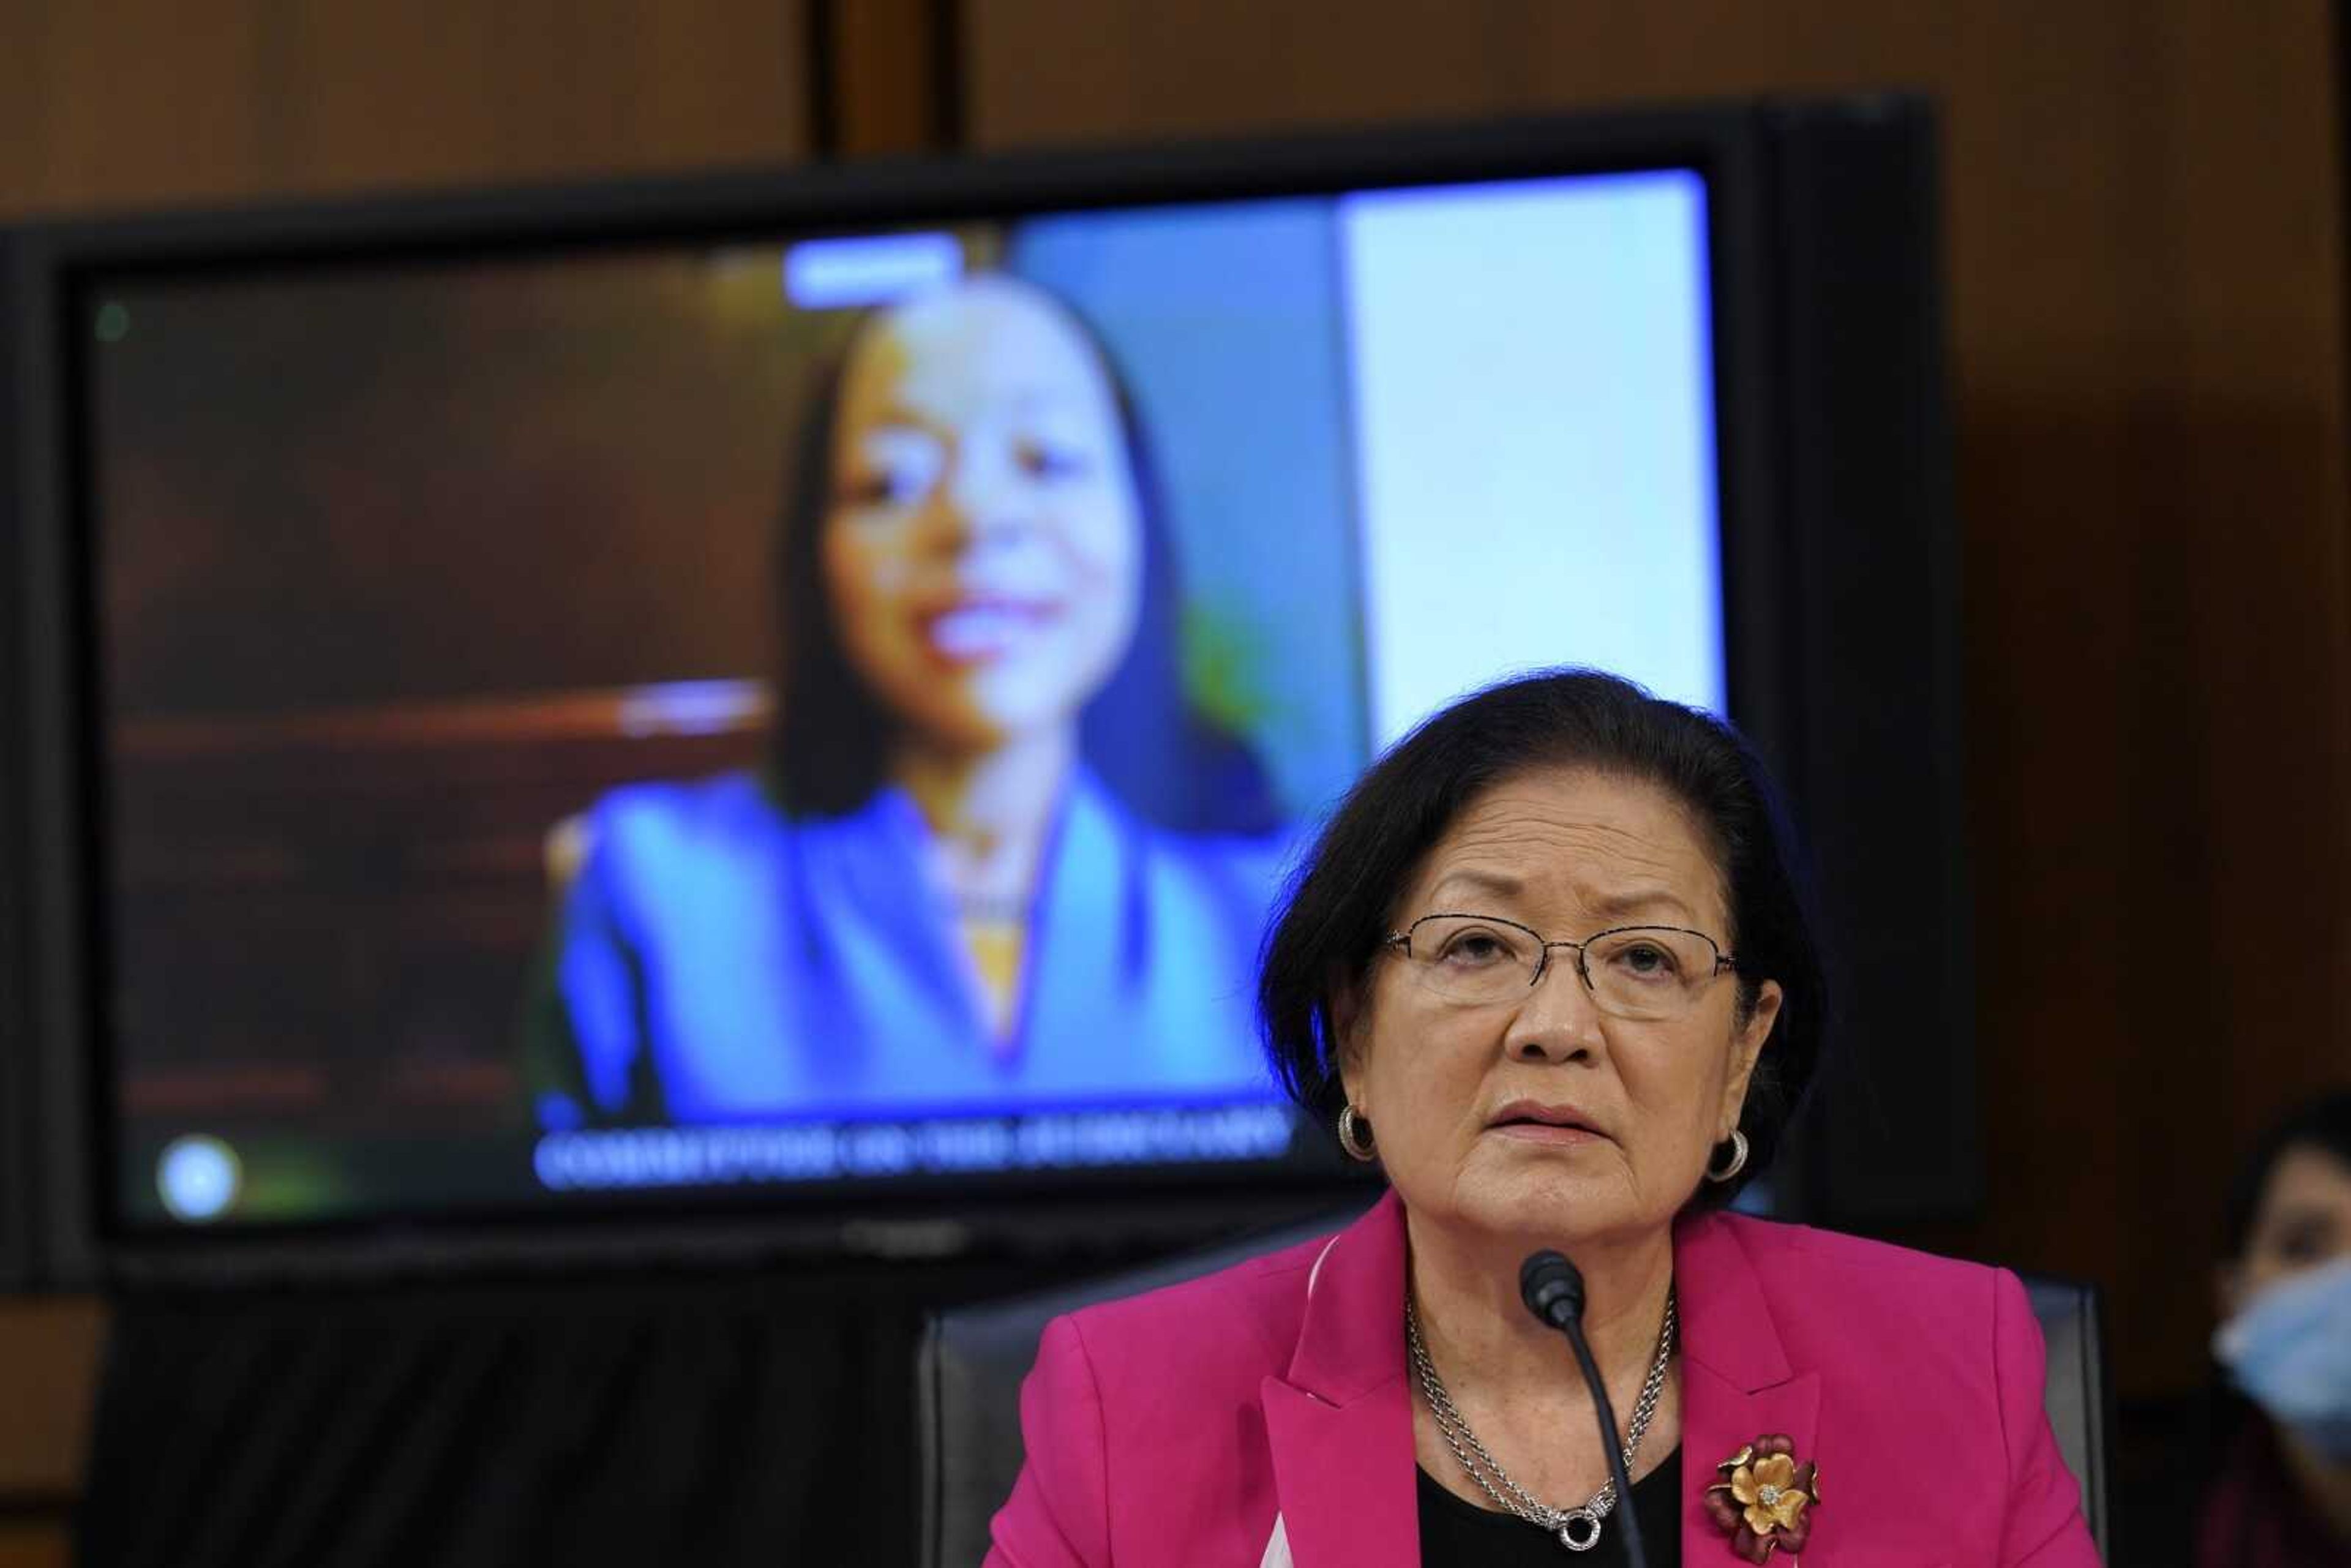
(1057, 1515)
(2044, 1527)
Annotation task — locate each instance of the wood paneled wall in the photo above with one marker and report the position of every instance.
(48, 1368)
(134, 103)
(2145, 269)
(47, 1417)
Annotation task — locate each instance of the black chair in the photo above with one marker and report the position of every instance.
(2080, 1399)
(968, 1388)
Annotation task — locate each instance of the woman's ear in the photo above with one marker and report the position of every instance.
(1747, 1049)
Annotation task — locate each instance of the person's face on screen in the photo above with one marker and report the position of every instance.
(1448, 1086)
(983, 546)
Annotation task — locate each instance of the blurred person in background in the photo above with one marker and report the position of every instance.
(997, 858)
(2281, 1496)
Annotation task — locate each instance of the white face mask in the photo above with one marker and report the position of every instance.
(2290, 1351)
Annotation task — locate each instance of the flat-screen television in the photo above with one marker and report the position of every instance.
(784, 702)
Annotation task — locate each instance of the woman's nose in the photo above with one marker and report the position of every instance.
(978, 501)
(1557, 1020)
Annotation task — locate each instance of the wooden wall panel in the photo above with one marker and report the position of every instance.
(2145, 269)
(34, 1544)
(48, 1363)
(894, 76)
(118, 103)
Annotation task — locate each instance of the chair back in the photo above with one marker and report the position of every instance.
(2079, 1398)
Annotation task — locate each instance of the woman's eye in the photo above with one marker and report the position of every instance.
(1476, 950)
(2308, 1243)
(881, 487)
(1647, 961)
(1051, 460)
(891, 465)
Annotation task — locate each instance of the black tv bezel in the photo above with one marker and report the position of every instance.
(53, 965)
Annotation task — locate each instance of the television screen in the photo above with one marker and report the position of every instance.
(801, 713)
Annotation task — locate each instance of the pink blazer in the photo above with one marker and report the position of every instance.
(1262, 1416)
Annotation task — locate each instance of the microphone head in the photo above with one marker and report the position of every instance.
(1551, 1288)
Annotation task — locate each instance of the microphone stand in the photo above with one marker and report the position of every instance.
(1552, 1290)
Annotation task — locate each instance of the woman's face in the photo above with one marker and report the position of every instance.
(1458, 1095)
(2304, 1220)
(983, 547)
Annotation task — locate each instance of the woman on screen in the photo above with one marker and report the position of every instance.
(995, 860)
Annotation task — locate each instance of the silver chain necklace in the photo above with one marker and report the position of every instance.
(1578, 1529)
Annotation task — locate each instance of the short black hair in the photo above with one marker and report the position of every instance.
(2323, 1125)
(1339, 906)
(1151, 744)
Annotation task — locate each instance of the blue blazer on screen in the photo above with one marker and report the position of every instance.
(719, 961)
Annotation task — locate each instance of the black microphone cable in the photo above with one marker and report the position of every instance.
(1553, 1290)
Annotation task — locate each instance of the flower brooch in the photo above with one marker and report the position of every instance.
(1762, 1498)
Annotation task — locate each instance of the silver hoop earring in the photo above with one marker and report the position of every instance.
(1738, 1158)
(1355, 1136)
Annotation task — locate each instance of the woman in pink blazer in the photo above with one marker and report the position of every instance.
(1548, 968)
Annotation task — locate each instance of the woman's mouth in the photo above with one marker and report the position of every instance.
(1533, 1121)
(974, 632)
(1544, 1133)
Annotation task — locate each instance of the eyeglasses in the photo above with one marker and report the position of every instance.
(1645, 972)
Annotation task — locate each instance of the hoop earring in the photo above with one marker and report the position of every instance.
(1355, 1136)
(1738, 1160)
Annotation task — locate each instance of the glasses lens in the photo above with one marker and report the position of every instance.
(1473, 959)
(1649, 972)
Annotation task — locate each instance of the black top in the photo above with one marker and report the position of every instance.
(1458, 1535)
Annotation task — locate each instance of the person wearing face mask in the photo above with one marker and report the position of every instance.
(2282, 1498)
(995, 859)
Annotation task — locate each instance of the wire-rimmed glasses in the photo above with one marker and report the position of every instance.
(1645, 972)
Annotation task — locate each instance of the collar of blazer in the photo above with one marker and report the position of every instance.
(1339, 1421)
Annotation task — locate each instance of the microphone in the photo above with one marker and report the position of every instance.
(1552, 1289)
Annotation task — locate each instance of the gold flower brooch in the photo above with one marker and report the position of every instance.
(1760, 1503)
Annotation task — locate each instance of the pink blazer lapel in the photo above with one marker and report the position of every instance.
(1340, 1421)
(1737, 1384)
(1334, 1471)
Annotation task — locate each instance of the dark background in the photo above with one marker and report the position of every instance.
(2146, 265)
